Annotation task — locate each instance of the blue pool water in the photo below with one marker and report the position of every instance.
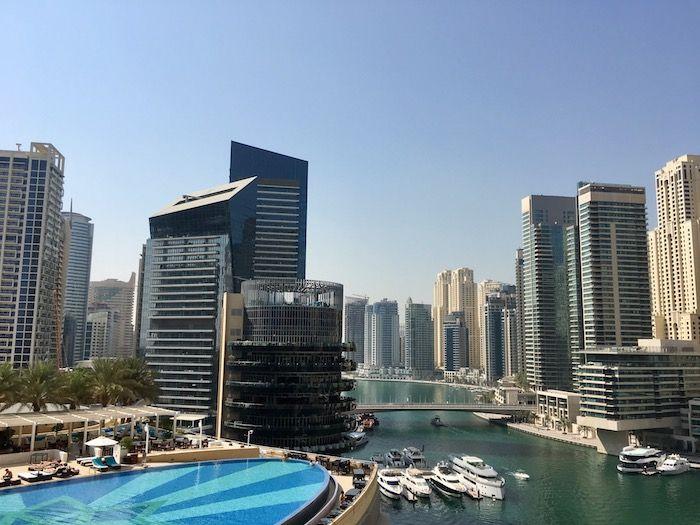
(256, 491)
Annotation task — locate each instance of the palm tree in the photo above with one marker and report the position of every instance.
(9, 385)
(138, 381)
(77, 388)
(40, 385)
(107, 384)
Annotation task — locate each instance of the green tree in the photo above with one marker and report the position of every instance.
(40, 384)
(77, 387)
(138, 381)
(107, 381)
(9, 385)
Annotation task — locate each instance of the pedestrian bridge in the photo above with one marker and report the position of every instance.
(456, 407)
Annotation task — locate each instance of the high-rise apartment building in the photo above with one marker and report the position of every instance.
(419, 352)
(518, 360)
(483, 290)
(545, 295)
(614, 264)
(382, 345)
(183, 286)
(355, 325)
(79, 260)
(674, 250)
(32, 254)
(118, 297)
(499, 333)
(99, 330)
(456, 291)
(455, 342)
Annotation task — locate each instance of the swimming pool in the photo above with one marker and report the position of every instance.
(254, 491)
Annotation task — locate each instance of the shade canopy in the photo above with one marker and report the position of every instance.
(101, 441)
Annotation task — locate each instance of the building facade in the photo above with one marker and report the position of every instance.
(382, 345)
(419, 352)
(75, 305)
(456, 291)
(499, 333)
(518, 361)
(637, 388)
(455, 342)
(118, 297)
(354, 331)
(183, 286)
(99, 331)
(614, 264)
(282, 379)
(32, 254)
(276, 237)
(674, 250)
(545, 295)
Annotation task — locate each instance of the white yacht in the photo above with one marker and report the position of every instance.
(674, 464)
(356, 440)
(446, 481)
(389, 482)
(483, 477)
(413, 457)
(636, 460)
(414, 482)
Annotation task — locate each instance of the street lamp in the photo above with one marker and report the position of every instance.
(250, 433)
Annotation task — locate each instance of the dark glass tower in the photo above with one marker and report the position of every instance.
(279, 204)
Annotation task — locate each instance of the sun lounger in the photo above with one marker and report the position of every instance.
(112, 463)
(99, 465)
(31, 477)
(10, 482)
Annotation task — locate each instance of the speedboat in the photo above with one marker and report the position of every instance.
(356, 439)
(410, 496)
(393, 458)
(446, 481)
(437, 422)
(637, 460)
(389, 483)
(674, 464)
(473, 471)
(414, 482)
(522, 476)
(413, 457)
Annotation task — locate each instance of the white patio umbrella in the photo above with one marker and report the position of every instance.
(101, 441)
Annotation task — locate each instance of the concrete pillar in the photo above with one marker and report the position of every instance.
(33, 441)
(133, 426)
(85, 429)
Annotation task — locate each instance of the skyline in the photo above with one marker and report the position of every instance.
(467, 112)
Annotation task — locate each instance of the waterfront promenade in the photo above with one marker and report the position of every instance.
(573, 439)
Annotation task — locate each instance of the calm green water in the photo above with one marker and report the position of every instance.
(568, 485)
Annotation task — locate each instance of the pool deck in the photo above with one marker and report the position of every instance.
(364, 506)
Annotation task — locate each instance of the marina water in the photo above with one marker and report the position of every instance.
(568, 485)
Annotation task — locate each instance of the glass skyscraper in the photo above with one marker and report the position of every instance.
(545, 293)
(77, 285)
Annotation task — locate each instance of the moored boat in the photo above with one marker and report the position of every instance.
(473, 471)
(356, 440)
(393, 458)
(637, 460)
(389, 483)
(414, 481)
(413, 457)
(446, 481)
(672, 465)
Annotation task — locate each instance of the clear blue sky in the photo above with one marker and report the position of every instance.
(424, 123)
